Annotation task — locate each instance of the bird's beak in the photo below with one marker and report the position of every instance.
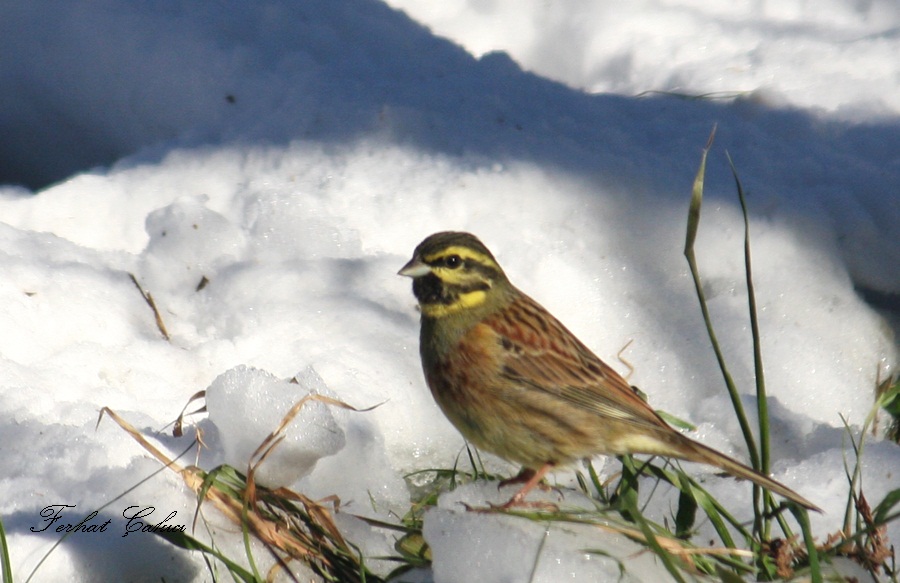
(415, 268)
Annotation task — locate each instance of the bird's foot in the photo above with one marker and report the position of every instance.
(524, 475)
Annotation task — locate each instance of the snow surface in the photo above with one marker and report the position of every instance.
(293, 154)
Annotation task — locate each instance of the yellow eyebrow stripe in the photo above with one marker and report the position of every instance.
(464, 253)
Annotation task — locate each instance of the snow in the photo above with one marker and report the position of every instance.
(293, 155)
(524, 550)
(691, 46)
(243, 402)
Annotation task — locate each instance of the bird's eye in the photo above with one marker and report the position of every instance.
(453, 261)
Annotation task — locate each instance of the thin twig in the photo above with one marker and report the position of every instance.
(149, 299)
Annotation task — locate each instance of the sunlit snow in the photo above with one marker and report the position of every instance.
(263, 170)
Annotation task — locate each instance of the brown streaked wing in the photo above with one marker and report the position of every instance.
(543, 354)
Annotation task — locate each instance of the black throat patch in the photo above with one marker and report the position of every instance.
(430, 290)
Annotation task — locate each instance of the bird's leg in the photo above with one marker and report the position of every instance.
(531, 478)
(522, 477)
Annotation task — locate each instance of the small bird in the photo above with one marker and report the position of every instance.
(515, 382)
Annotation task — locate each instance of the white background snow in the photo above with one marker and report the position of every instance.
(294, 153)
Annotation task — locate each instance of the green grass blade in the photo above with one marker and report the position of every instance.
(693, 224)
(762, 405)
(715, 513)
(802, 516)
(4, 556)
(759, 370)
(665, 556)
(880, 516)
(187, 542)
(888, 399)
(686, 515)
(626, 492)
(728, 576)
(245, 527)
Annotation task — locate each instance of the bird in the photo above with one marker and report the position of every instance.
(517, 383)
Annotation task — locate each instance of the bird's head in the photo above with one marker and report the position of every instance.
(453, 274)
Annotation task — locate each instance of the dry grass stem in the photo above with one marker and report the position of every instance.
(289, 524)
(149, 299)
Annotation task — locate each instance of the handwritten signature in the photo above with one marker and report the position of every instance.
(136, 518)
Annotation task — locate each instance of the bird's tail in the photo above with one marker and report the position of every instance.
(697, 452)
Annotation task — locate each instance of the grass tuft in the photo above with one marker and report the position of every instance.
(291, 526)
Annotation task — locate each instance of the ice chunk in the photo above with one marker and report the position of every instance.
(247, 404)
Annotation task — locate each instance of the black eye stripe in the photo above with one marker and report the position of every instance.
(450, 261)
